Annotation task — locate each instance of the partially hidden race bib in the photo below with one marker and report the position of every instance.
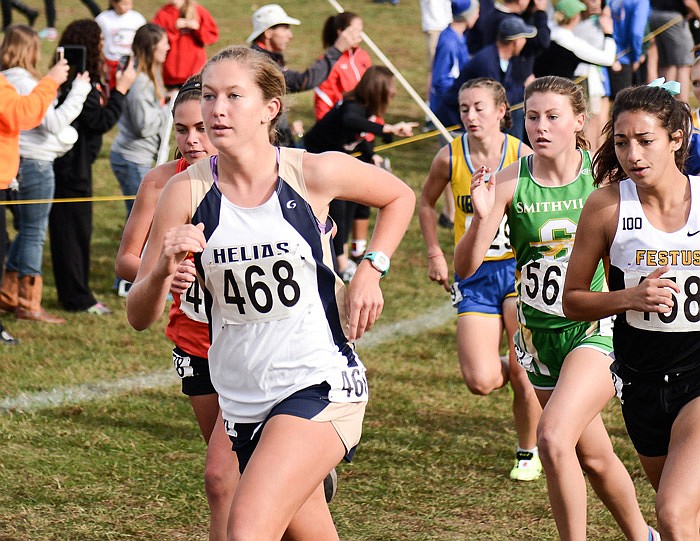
(192, 303)
(267, 289)
(500, 246)
(684, 316)
(542, 285)
(349, 384)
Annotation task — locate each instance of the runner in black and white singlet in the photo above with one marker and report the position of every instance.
(567, 361)
(647, 222)
(291, 388)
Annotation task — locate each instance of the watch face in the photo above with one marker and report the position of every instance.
(381, 261)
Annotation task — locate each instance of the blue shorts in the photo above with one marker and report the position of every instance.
(310, 403)
(485, 291)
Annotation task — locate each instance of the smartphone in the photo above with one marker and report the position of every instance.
(123, 62)
(75, 56)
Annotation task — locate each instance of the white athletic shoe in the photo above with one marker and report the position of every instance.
(330, 485)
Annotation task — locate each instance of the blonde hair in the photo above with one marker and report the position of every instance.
(563, 87)
(266, 75)
(20, 48)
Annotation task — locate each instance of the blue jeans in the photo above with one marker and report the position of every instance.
(129, 175)
(36, 181)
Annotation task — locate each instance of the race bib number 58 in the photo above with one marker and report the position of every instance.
(684, 315)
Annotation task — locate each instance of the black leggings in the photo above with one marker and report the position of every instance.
(343, 214)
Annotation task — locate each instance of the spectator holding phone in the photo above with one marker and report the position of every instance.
(19, 112)
(190, 29)
(38, 148)
(71, 223)
(141, 124)
(119, 24)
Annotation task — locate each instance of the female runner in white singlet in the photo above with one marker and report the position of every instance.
(291, 389)
(645, 221)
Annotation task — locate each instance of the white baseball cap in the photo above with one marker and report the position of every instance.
(268, 16)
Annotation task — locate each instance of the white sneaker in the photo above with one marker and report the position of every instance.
(349, 271)
(50, 34)
(123, 288)
(330, 485)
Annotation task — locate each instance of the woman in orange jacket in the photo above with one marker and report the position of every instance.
(19, 113)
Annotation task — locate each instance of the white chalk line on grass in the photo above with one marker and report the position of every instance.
(86, 392)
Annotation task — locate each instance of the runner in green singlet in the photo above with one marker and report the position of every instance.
(567, 361)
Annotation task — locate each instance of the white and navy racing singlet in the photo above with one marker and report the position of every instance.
(276, 305)
(657, 342)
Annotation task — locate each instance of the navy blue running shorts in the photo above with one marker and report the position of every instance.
(310, 403)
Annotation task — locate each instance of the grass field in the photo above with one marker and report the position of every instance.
(433, 461)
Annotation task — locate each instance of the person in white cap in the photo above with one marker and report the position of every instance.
(271, 35)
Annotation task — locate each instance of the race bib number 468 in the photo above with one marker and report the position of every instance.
(349, 385)
(262, 290)
(684, 315)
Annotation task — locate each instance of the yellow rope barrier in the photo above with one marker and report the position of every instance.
(94, 198)
(394, 144)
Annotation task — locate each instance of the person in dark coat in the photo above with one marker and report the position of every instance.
(71, 223)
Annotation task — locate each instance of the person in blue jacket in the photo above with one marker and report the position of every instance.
(451, 52)
(500, 61)
(630, 18)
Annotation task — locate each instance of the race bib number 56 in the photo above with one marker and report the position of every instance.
(542, 285)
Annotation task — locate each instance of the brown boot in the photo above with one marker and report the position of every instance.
(8, 292)
(29, 301)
